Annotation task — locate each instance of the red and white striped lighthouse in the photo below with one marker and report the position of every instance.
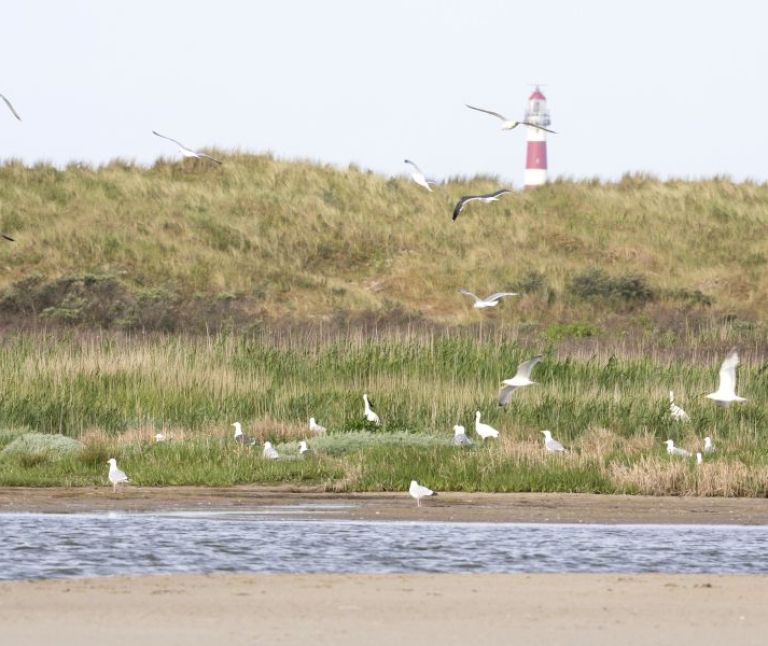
(536, 158)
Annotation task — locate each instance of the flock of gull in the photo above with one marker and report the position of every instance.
(724, 395)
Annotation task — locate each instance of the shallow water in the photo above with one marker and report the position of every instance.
(67, 545)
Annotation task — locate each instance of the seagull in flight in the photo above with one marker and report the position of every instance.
(419, 491)
(487, 197)
(419, 177)
(509, 124)
(522, 378)
(488, 301)
(726, 389)
(186, 152)
(10, 107)
(551, 444)
(116, 476)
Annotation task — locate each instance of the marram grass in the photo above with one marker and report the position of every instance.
(114, 392)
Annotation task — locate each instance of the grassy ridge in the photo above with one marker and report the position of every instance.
(114, 392)
(187, 245)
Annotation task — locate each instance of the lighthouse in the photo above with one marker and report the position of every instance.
(536, 158)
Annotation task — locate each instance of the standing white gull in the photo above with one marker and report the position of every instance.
(460, 436)
(486, 197)
(10, 107)
(484, 430)
(699, 458)
(419, 177)
(315, 428)
(509, 124)
(304, 447)
(726, 389)
(240, 437)
(419, 491)
(675, 410)
(270, 453)
(186, 152)
(369, 414)
(708, 446)
(115, 476)
(522, 378)
(488, 301)
(552, 445)
(674, 450)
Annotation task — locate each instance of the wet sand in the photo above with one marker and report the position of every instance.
(384, 609)
(469, 507)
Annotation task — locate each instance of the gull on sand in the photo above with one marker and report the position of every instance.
(419, 177)
(726, 389)
(486, 197)
(675, 410)
(270, 452)
(552, 445)
(675, 450)
(510, 124)
(460, 436)
(419, 491)
(488, 301)
(522, 378)
(484, 430)
(115, 476)
(186, 152)
(368, 413)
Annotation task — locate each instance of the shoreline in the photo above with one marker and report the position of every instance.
(446, 507)
(376, 609)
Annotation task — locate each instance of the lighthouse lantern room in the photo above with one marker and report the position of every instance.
(536, 158)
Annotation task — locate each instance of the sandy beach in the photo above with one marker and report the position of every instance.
(384, 609)
(448, 506)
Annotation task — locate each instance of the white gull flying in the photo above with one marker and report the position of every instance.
(488, 301)
(726, 388)
(522, 378)
(509, 124)
(186, 152)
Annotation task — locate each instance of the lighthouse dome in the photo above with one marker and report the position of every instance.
(537, 95)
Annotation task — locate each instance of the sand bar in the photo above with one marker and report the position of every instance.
(469, 507)
(384, 609)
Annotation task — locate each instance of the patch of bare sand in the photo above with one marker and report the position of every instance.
(478, 507)
(385, 609)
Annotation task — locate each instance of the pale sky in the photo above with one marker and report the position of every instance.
(676, 89)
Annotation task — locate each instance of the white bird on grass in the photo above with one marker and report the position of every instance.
(486, 197)
(270, 453)
(552, 445)
(522, 378)
(419, 491)
(186, 152)
(240, 437)
(460, 436)
(488, 301)
(509, 124)
(484, 430)
(674, 450)
(726, 389)
(303, 447)
(675, 410)
(708, 446)
(368, 413)
(419, 177)
(699, 458)
(315, 428)
(160, 437)
(115, 476)
(10, 107)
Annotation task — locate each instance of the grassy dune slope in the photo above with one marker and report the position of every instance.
(185, 245)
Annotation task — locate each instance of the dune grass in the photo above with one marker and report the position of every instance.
(113, 392)
(189, 246)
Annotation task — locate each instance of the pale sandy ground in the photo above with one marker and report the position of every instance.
(472, 507)
(390, 609)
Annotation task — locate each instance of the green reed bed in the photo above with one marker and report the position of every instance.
(114, 392)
